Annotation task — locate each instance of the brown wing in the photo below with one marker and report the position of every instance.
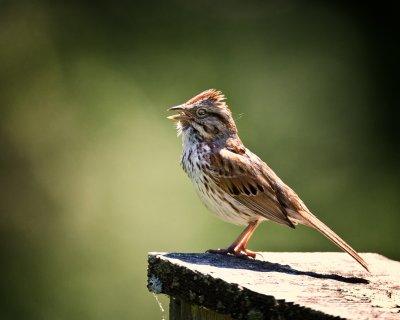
(299, 213)
(242, 175)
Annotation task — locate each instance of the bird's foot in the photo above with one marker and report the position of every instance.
(235, 251)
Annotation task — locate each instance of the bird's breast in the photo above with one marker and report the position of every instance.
(195, 158)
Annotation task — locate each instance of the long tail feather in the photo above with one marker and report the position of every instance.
(315, 223)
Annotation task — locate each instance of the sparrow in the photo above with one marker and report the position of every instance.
(234, 183)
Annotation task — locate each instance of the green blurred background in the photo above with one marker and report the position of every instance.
(89, 167)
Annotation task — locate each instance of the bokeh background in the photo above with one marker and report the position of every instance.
(89, 167)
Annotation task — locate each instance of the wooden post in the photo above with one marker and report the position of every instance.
(286, 285)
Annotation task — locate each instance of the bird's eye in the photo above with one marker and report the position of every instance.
(201, 112)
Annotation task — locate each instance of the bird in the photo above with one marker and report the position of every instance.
(233, 182)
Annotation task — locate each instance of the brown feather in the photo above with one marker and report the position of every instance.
(213, 95)
(235, 174)
(327, 232)
(298, 212)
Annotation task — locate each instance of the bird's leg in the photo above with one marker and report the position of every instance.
(238, 247)
(241, 248)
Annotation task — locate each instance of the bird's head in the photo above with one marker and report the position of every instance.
(207, 114)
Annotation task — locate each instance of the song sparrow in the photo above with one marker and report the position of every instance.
(232, 181)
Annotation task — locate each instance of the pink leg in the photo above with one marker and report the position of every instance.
(238, 247)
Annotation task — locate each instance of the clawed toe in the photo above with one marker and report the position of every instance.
(237, 252)
(218, 251)
(250, 253)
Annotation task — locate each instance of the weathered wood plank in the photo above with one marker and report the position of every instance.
(279, 285)
(182, 310)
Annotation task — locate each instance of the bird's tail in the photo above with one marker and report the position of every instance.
(315, 223)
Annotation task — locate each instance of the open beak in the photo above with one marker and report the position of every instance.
(180, 115)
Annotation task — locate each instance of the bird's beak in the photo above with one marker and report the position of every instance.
(179, 116)
(178, 107)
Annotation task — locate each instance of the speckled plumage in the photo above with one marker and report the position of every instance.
(195, 162)
(233, 182)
